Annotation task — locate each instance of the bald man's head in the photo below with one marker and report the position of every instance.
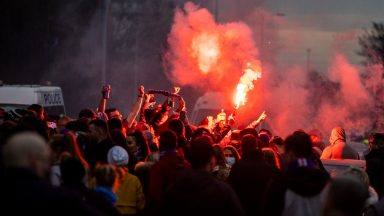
(27, 150)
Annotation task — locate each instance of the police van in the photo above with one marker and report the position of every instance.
(209, 104)
(212, 103)
(21, 96)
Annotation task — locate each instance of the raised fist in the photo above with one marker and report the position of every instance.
(141, 90)
(176, 90)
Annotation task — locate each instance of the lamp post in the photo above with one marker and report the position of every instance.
(308, 59)
(216, 10)
(104, 39)
(262, 29)
(136, 58)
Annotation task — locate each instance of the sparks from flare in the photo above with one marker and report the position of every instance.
(251, 73)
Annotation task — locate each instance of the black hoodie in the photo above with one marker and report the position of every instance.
(199, 193)
(305, 182)
(251, 179)
(375, 169)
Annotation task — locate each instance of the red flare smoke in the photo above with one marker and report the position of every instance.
(205, 54)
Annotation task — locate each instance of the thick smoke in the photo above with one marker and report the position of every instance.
(205, 54)
(303, 100)
(300, 99)
(293, 98)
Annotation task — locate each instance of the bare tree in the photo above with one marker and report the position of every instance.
(372, 45)
(372, 49)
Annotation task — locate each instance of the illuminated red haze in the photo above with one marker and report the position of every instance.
(223, 57)
(211, 56)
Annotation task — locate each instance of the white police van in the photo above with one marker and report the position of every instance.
(209, 104)
(21, 96)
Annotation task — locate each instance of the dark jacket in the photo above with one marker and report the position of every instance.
(376, 209)
(375, 169)
(297, 184)
(183, 145)
(24, 193)
(163, 174)
(198, 193)
(251, 178)
(97, 152)
(96, 200)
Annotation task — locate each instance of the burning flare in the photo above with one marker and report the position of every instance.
(251, 73)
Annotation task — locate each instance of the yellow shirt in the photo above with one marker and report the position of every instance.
(130, 196)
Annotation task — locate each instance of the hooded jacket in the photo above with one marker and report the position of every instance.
(375, 169)
(338, 148)
(300, 193)
(199, 193)
(250, 178)
(304, 195)
(163, 174)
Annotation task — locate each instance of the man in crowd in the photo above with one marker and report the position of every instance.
(196, 191)
(251, 176)
(27, 161)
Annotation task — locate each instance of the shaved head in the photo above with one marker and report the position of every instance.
(27, 150)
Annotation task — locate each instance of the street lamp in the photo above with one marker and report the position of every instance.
(262, 18)
(308, 58)
(104, 39)
(216, 10)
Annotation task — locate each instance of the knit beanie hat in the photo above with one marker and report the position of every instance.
(118, 155)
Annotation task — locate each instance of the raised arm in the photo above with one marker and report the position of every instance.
(255, 123)
(105, 91)
(181, 105)
(136, 107)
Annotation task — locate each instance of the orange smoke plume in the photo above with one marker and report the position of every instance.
(204, 54)
(205, 48)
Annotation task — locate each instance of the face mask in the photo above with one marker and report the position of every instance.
(156, 156)
(231, 161)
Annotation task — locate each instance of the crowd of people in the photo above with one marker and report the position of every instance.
(155, 162)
